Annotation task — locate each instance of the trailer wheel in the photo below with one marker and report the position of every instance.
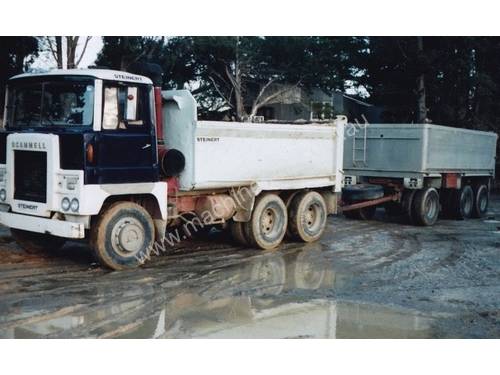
(407, 204)
(268, 223)
(122, 236)
(238, 232)
(307, 216)
(34, 243)
(481, 200)
(426, 207)
(463, 203)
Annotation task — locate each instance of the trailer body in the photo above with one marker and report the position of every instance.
(422, 170)
(418, 150)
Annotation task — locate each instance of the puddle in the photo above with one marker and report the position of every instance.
(275, 295)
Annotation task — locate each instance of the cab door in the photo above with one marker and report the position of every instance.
(126, 144)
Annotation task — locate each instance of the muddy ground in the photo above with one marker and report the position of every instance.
(363, 279)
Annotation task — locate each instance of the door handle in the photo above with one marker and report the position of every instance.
(148, 145)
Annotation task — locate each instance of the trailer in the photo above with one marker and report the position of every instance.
(106, 156)
(418, 171)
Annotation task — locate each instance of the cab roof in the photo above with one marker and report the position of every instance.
(105, 74)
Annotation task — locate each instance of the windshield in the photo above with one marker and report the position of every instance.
(51, 103)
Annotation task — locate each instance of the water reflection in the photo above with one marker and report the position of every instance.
(290, 294)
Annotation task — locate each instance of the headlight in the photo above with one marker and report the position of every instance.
(3, 195)
(65, 203)
(75, 205)
(71, 182)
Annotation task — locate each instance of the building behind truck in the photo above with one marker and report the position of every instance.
(107, 156)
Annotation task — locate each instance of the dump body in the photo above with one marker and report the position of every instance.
(418, 150)
(225, 154)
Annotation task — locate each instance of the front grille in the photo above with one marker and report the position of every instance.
(30, 176)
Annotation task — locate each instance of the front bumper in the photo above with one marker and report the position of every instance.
(58, 228)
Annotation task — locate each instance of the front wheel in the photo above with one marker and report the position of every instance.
(122, 236)
(426, 207)
(33, 242)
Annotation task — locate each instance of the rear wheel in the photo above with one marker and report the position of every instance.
(268, 223)
(33, 242)
(463, 203)
(407, 205)
(426, 207)
(238, 232)
(481, 200)
(307, 216)
(122, 236)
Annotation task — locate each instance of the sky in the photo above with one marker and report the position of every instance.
(45, 61)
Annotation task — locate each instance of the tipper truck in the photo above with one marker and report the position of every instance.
(107, 156)
(418, 171)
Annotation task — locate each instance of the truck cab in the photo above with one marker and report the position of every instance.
(73, 141)
(82, 156)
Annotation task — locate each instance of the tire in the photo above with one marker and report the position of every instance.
(33, 242)
(122, 236)
(481, 201)
(425, 207)
(407, 205)
(238, 233)
(362, 192)
(463, 203)
(307, 216)
(268, 223)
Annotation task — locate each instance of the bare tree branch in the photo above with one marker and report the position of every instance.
(51, 47)
(257, 105)
(220, 93)
(87, 40)
(262, 90)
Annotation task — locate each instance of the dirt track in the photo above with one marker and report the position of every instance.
(364, 279)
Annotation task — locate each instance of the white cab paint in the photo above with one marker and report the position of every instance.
(59, 228)
(104, 74)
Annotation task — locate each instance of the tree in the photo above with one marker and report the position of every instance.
(249, 72)
(16, 54)
(56, 44)
(461, 83)
(421, 103)
(119, 52)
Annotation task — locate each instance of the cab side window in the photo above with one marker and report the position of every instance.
(124, 107)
